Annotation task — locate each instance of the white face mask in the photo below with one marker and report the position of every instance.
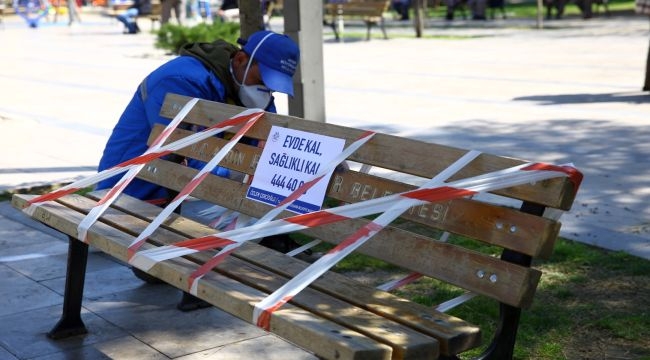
(252, 96)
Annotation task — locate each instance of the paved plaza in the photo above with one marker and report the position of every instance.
(567, 94)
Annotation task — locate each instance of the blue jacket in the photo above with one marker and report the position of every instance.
(193, 74)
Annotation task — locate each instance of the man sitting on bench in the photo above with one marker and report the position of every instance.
(218, 71)
(130, 16)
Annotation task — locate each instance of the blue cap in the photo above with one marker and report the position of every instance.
(277, 57)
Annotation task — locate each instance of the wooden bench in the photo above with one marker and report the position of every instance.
(371, 12)
(337, 317)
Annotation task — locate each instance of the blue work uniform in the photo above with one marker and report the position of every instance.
(201, 71)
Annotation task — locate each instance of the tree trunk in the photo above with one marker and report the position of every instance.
(419, 17)
(646, 84)
(250, 17)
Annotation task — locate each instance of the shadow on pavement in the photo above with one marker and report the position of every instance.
(625, 97)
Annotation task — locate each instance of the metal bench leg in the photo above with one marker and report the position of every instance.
(503, 343)
(70, 323)
(335, 30)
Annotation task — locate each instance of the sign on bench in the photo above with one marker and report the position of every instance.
(415, 205)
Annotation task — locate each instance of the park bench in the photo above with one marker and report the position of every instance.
(371, 12)
(338, 317)
(6, 8)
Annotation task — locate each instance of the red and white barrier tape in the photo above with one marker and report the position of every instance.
(450, 304)
(397, 283)
(300, 249)
(518, 175)
(109, 198)
(365, 169)
(196, 180)
(264, 309)
(142, 159)
(283, 205)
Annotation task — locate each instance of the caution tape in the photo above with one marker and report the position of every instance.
(450, 304)
(264, 309)
(536, 172)
(397, 283)
(518, 175)
(116, 190)
(514, 176)
(283, 205)
(142, 159)
(196, 181)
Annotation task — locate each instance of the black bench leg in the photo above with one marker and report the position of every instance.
(383, 28)
(337, 36)
(503, 343)
(70, 323)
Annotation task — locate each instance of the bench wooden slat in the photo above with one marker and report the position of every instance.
(413, 158)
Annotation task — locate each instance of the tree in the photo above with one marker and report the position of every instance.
(250, 17)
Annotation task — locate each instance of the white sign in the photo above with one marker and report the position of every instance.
(291, 158)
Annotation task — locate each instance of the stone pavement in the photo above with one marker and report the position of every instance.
(569, 93)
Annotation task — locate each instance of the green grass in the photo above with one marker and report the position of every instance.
(587, 294)
(5, 196)
(589, 299)
(528, 9)
(514, 10)
(590, 303)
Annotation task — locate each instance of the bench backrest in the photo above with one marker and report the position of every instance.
(519, 230)
(367, 8)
